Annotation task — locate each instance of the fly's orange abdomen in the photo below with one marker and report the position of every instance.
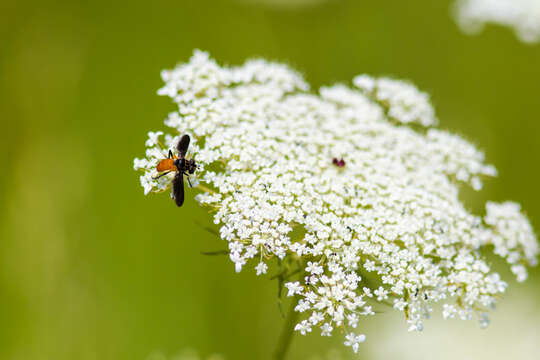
(166, 165)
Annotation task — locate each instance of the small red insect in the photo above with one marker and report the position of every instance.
(338, 163)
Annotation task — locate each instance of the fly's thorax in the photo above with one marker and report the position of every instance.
(180, 164)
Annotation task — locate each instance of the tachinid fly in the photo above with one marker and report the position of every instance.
(181, 166)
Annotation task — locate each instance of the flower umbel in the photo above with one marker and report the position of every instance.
(387, 227)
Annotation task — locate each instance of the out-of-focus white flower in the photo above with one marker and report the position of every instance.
(354, 341)
(514, 334)
(512, 236)
(265, 147)
(521, 15)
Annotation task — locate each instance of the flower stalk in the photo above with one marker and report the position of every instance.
(287, 332)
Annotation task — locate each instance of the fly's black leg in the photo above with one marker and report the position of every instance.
(170, 154)
(189, 181)
(157, 177)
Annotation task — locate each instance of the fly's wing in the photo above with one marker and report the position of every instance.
(178, 188)
(183, 145)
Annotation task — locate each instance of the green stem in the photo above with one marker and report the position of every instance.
(287, 332)
(205, 189)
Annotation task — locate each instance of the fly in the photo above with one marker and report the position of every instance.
(181, 166)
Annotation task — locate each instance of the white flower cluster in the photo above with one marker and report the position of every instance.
(512, 236)
(521, 15)
(386, 226)
(403, 101)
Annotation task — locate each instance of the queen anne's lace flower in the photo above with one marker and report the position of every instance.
(388, 227)
(521, 15)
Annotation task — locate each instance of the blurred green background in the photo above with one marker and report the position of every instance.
(90, 268)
